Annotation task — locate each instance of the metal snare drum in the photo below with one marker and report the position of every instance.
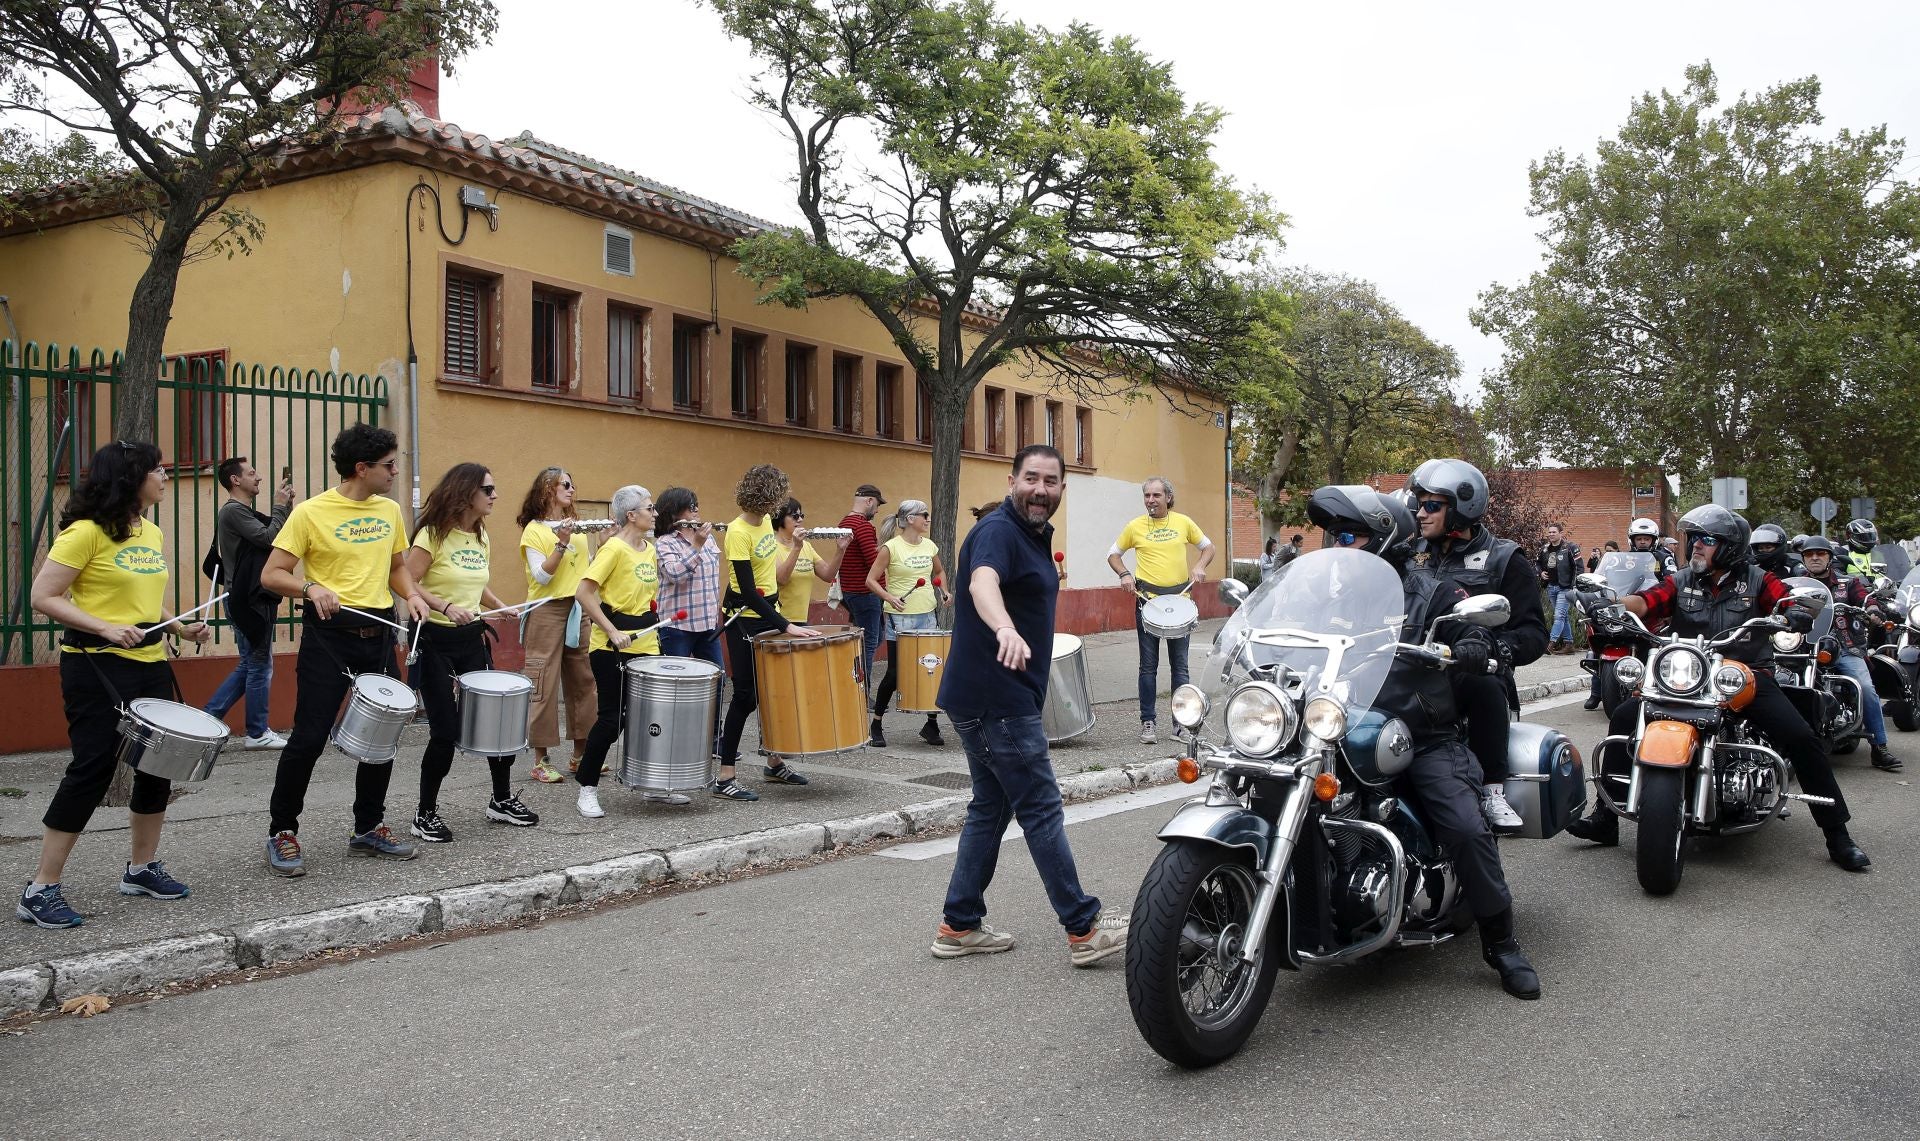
(494, 707)
(378, 708)
(1169, 617)
(1068, 712)
(667, 743)
(169, 740)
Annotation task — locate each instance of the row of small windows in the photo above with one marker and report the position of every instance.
(473, 341)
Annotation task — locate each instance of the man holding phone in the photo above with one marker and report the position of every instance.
(244, 537)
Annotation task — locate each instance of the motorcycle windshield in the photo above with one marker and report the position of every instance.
(1899, 565)
(1909, 590)
(1301, 618)
(1823, 621)
(1628, 572)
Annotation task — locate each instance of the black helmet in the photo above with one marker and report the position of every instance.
(1794, 544)
(1768, 535)
(1462, 485)
(1862, 535)
(1729, 529)
(1818, 543)
(1360, 509)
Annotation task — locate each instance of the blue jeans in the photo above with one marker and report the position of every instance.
(1150, 663)
(702, 644)
(252, 677)
(1562, 598)
(1013, 780)
(1855, 667)
(865, 611)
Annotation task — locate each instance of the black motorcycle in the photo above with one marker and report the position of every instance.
(1830, 701)
(1618, 573)
(1895, 661)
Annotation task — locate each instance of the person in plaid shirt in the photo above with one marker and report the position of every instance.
(689, 580)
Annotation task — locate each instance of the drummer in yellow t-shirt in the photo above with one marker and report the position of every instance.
(1159, 540)
(616, 594)
(352, 543)
(908, 578)
(105, 580)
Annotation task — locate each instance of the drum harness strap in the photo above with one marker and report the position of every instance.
(119, 703)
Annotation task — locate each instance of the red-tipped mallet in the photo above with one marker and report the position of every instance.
(679, 616)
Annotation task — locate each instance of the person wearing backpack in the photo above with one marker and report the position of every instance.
(242, 538)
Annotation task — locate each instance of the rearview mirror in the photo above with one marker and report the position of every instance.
(1590, 582)
(1232, 591)
(1479, 610)
(1812, 599)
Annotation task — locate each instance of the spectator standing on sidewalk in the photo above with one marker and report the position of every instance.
(993, 691)
(1559, 565)
(244, 537)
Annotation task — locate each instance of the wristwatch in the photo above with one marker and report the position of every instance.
(306, 586)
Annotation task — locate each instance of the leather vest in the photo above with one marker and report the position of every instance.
(1419, 694)
(1477, 566)
(1699, 612)
(1851, 629)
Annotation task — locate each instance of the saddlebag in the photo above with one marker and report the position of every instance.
(1546, 782)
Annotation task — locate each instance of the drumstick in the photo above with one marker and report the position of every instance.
(917, 584)
(413, 646)
(523, 607)
(214, 601)
(383, 621)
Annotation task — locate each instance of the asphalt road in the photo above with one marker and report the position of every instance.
(1771, 996)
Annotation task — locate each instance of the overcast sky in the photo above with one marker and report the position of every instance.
(1395, 136)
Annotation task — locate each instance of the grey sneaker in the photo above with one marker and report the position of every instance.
(1148, 733)
(1108, 936)
(1500, 815)
(380, 841)
(982, 940)
(283, 855)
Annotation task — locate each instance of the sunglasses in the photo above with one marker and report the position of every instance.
(1704, 540)
(923, 514)
(1431, 506)
(566, 484)
(1346, 538)
(390, 465)
(798, 515)
(486, 489)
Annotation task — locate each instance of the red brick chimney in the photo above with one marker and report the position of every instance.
(423, 86)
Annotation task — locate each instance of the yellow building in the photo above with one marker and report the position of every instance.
(568, 313)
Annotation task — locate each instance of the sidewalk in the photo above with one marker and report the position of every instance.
(216, 831)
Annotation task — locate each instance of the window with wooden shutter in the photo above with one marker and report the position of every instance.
(745, 398)
(799, 383)
(689, 364)
(846, 388)
(886, 400)
(626, 353)
(469, 327)
(552, 341)
(199, 410)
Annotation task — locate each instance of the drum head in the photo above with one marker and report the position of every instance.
(1065, 645)
(384, 692)
(1172, 610)
(653, 665)
(180, 720)
(500, 683)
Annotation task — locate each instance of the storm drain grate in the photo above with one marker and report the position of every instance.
(944, 780)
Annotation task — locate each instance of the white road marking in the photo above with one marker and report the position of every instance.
(1075, 814)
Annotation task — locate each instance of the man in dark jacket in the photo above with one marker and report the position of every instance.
(1559, 566)
(1450, 497)
(243, 537)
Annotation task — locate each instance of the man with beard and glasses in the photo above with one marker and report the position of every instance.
(993, 691)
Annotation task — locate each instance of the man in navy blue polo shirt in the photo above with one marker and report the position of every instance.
(993, 691)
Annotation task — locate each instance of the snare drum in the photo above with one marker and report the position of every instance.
(923, 662)
(378, 708)
(1169, 617)
(494, 707)
(169, 740)
(1068, 712)
(811, 702)
(667, 742)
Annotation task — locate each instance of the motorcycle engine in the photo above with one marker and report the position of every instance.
(1747, 785)
(1362, 898)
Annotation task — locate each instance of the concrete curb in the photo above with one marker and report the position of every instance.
(1540, 690)
(269, 942)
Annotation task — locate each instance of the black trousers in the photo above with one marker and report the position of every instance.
(1483, 702)
(1773, 714)
(93, 727)
(610, 683)
(746, 692)
(326, 656)
(446, 652)
(1445, 780)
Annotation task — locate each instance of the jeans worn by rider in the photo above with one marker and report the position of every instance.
(1851, 631)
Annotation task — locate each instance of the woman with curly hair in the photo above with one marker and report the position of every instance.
(105, 580)
(554, 563)
(753, 590)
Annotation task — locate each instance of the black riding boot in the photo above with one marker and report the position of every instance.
(1600, 826)
(1502, 952)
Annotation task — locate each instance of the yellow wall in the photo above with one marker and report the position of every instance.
(324, 290)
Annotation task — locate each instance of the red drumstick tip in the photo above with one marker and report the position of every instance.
(1059, 556)
(679, 615)
(921, 582)
(936, 582)
(652, 604)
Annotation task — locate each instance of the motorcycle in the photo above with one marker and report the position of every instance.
(1618, 572)
(1697, 768)
(1301, 853)
(1830, 701)
(1895, 662)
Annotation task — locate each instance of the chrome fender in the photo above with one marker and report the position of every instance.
(1228, 825)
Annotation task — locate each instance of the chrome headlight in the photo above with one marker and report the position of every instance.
(1629, 672)
(1260, 720)
(1326, 719)
(1681, 670)
(1190, 706)
(1728, 680)
(1787, 641)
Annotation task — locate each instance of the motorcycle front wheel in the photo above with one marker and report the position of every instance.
(1660, 849)
(1194, 999)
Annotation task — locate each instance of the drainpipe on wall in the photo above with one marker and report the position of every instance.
(413, 420)
(1228, 455)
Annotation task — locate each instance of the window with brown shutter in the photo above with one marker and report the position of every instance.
(997, 420)
(199, 413)
(799, 383)
(469, 327)
(1053, 425)
(886, 400)
(745, 399)
(552, 341)
(846, 387)
(1022, 420)
(1083, 436)
(922, 408)
(626, 353)
(689, 364)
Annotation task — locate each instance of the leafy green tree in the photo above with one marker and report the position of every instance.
(198, 97)
(28, 164)
(991, 193)
(1724, 293)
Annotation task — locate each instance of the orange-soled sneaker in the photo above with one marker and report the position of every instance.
(1107, 936)
(982, 940)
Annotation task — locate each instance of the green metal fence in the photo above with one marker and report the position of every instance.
(57, 409)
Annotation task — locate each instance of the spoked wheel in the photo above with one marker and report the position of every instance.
(1661, 847)
(1193, 997)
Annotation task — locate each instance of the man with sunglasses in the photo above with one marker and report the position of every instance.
(1719, 588)
(1450, 497)
(1851, 630)
(1159, 540)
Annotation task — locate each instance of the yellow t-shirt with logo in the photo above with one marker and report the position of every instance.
(1160, 547)
(908, 563)
(347, 547)
(457, 572)
(122, 583)
(797, 594)
(628, 581)
(754, 543)
(566, 577)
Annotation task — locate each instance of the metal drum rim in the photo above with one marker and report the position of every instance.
(132, 714)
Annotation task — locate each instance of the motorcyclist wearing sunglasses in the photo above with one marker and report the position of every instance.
(1450, 498)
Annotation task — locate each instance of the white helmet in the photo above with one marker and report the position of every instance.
(1643, 526)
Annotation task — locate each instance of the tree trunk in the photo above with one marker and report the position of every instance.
(949, 421)
(148, 315)
(1274, 482)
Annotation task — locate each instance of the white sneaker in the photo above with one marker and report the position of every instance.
(1148, 735)
(589, 802)
(1500, 815)
(1108, 936)
(667, 798)
(267, 740)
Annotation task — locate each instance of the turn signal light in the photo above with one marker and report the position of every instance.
(1826, 657)
(1326, 786)
(1188, 769)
